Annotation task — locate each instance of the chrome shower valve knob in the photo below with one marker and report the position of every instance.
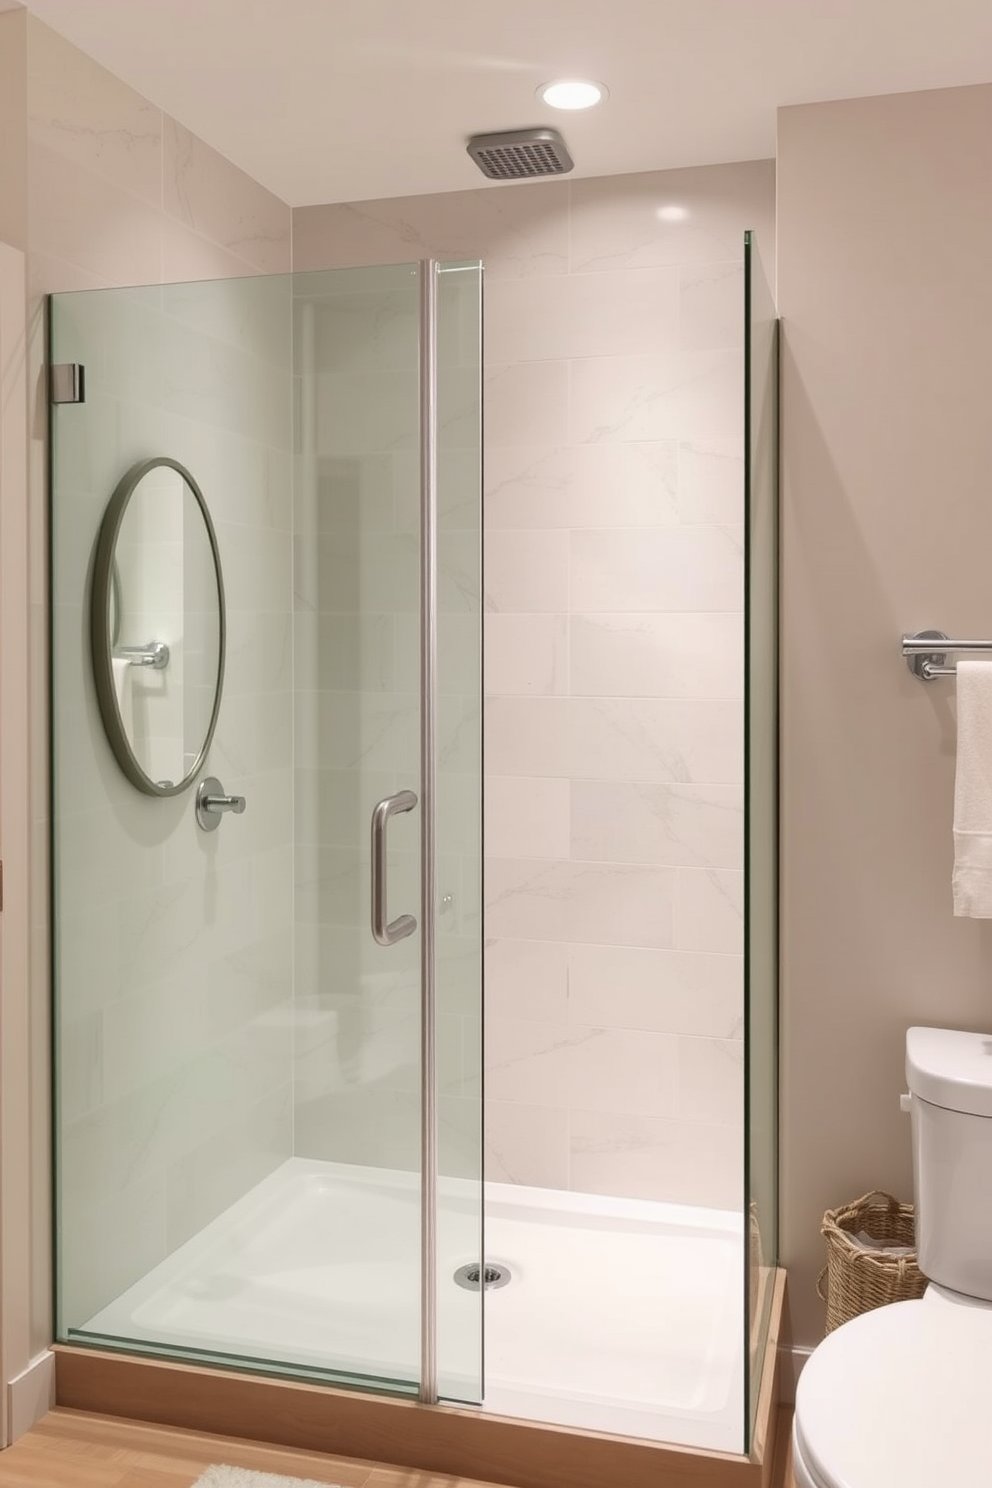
(211, 803)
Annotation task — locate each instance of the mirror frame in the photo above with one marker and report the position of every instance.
(101, 641)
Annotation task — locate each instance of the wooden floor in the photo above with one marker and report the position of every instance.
(73, 1449)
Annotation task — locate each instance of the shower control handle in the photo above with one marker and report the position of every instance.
(387, 932)
(211, 803)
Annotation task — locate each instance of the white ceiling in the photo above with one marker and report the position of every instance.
(344, 100)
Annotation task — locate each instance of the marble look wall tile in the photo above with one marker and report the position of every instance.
(527, 403)
(188, 256)
(651, 739)
(257, 574)
(117, 1237)
(711, 309)
(518, 230)
(209, 381)
(346, 652)
(527, 979)
(688, 216)
(82, 112)
(459, 1139)
(460, 961)
(689, 825)
(711, 1080)
(92, 937)
(162, 1121)
(711, 910)
(459, 652)
(371, 331)
(331, 887)
(248, 485)
(365, 492)
(249, 981)
(371, 413)
(150, 1032)
(526, 655)
(622, 1070)
(166, 930)
(203, 1182)
(222, 203)
(668, 991)
(668, 395)
(657, 656)
(527, 735)
(459, 734)
(526, 1144)
(459, 813)
(711, 482)
(13, 127)
(668, 568)
(528, 1062)
(610, 485)
(527, 817)
(52, 275)
(607, 903)
(623, 313)
(638, 1157)
(377, 1128)
(82, 1088)
(82, 219)
(526, 571)
(335, 806)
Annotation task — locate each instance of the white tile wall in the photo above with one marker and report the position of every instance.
(614, 661)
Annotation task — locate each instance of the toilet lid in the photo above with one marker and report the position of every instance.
(901, 1398)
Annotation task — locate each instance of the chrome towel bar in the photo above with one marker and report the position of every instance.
(155, 654)
(926, 653)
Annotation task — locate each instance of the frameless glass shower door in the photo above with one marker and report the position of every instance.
(265, 1029)
(761, 818)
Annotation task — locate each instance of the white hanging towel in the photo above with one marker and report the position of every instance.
(123, 671)
(972, 878)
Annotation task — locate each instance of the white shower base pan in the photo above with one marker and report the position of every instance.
(622, 1316)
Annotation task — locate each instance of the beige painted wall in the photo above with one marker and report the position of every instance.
(885, 291)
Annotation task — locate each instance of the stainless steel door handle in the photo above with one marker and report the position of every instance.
(384, 931)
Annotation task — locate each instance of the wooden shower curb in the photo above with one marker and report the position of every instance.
(441, 1439)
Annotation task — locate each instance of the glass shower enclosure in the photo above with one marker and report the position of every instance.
(268, 953)
(269, 1033)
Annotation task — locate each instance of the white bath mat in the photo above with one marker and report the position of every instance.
(243, 1477)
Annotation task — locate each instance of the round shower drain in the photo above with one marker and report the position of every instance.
(494, 1276)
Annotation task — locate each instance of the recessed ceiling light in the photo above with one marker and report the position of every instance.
(572, 93)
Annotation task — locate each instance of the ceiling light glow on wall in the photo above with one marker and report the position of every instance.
(572, 93)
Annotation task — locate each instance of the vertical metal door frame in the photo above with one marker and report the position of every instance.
(428, 845)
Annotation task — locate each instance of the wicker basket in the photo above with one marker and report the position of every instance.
(860, 1279)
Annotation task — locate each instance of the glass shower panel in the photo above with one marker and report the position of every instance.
(761, 818)
(357, 1074)
(238, 1073)
(173, 947)
(459, 830)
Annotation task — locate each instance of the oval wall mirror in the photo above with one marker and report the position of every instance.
(157, 626)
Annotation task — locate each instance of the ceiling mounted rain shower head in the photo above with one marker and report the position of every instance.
(520, 154)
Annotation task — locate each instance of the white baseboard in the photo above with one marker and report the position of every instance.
(791, 1361)
(30, 1395)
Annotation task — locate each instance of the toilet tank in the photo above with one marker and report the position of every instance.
(950, 1081)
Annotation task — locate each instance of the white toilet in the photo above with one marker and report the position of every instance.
(901, 1397)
